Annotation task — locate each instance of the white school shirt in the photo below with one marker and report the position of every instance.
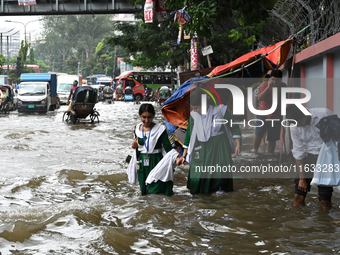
(307, 139)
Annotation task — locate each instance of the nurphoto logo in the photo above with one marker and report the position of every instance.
(239, 105)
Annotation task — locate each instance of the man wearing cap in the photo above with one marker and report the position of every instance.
(75, 84)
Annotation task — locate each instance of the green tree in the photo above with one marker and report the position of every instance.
(31, 59)
(232, 28)
(43, 67)
(65, 36)
(2, 62)
(23, 51)
(247, 16)
(150, 45)
(72, 65)
(105, 58)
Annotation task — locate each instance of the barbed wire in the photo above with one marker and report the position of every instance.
(290, 16)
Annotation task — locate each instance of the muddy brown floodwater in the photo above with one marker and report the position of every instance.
(64, 190)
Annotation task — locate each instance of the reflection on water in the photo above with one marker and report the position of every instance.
(64, 191)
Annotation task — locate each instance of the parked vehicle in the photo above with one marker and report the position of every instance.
(38, 92)
(108, 94)
(7, 99)
(82, 105)
(65, 84)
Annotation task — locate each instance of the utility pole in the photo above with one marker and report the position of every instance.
(7, 59)
(81, 63)
(25, 24)
(114, 63)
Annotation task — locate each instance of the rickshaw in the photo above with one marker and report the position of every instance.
(119, 95)
(82, 105)
(128, 94)
(7, 98)
(163, 94)
(108, 94)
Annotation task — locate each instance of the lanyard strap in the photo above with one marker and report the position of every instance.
(146, 145)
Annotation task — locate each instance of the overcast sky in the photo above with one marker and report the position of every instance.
(31, 27)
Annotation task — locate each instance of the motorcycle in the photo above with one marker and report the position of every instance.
(149, 95)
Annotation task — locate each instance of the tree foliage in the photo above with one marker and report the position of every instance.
(31, 59)
(23, 51)
(71, 36)
(232, 28)
(150, 45)
(2, 62)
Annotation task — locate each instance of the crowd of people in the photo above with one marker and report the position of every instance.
(208, 144)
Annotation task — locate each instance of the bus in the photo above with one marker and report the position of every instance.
(35, 68)
(98, 79)
(138, 81)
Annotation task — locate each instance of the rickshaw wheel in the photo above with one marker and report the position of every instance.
(73, 118)
(6, 109)
(68, 116)
(138, 98)
(65, 119)
(93, 117)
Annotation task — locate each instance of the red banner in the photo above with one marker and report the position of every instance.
(149, 10)
(194, 55)
(161, 11)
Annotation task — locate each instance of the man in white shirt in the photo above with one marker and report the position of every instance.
(306, 147)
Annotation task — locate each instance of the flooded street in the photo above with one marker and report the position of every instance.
(64, 190)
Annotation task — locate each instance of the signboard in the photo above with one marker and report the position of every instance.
(149, 10)
(118, 62)
(26, 2)
(207, 50)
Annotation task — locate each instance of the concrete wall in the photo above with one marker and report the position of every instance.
(337, 82)
(317, 69)
(316, 83)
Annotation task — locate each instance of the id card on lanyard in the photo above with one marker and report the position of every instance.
(146, 160)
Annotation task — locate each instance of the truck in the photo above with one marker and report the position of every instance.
(38, 92)
(3, 79)
(65, 84)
